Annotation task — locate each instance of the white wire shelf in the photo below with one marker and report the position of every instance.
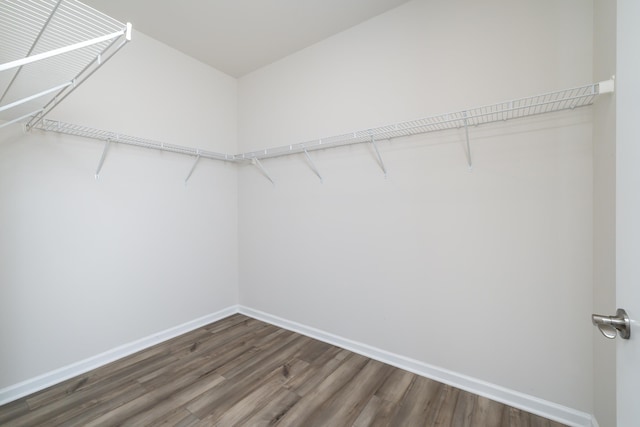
(551, 102)
(49, 48)
(518, 108)
(108, 136)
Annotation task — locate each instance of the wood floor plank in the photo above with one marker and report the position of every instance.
(314, 350)
(369, 412)
(305, 408)
(259, 398)
(247, 406)
(346, 404)
(241, 371)
(203, 361)
(263, 352)
(142, 403)
(385, 413)
(243, 361)
(178, 418)
(92, 393)
(13, 410)
(395, 385)
(232, 320)
(442, 413)
(391, 393)
(463, 410)
(487, 412)
(418, 401)
(65, 411)
(220, 399)
(537, 421)
(515, 417)
(280, 403)
(213, 343)
(176, 400)
(320, 369)
(292, 369)
(79, 415)
(95, 379)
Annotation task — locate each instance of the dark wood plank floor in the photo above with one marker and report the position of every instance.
(243, 372)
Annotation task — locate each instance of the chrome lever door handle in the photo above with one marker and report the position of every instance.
(610, 326)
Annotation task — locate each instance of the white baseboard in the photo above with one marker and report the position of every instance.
(504, 395)
(41, 382)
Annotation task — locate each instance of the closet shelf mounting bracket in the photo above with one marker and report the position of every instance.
(312, 165)
(107, 143)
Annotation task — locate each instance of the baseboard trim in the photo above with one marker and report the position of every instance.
(501, 394)
(24, 388)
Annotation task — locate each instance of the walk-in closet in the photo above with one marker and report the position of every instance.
(319, 213)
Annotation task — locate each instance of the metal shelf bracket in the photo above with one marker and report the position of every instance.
(261, 168)
(104, 155)
(468, 148)
(380, 161)
(195, 163)
(313, 166)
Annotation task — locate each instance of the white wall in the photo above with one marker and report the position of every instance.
(604, 212)
(486, 272)
(87, 265)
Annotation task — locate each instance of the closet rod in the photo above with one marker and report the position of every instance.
(518, 108)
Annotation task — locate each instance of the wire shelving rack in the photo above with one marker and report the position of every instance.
(550, 102)
(49, 48)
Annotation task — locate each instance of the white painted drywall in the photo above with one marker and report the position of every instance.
(87, 265)
(604, 211)
(487, 272)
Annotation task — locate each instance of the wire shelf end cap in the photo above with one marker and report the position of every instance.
(607, 86)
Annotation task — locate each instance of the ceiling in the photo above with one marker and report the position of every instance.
(240, 36)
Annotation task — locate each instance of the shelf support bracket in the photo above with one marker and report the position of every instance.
(104, 155)
(312, 165)
(257, 164)
(380, 161)
(195, 163)
(466, 132)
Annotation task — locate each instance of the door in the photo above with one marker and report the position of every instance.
(628, 208)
